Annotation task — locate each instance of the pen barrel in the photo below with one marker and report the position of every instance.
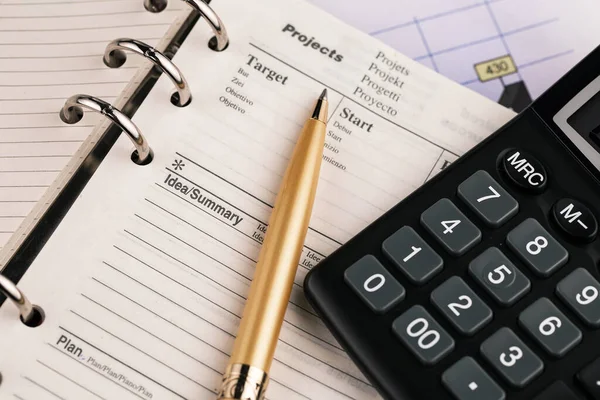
(280, 254)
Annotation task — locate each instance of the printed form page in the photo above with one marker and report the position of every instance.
(50, 50)
(151, 267)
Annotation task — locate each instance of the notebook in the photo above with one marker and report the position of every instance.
(144, 279)
(49, 50)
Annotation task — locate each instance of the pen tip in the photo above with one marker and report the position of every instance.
(320, 111)
(323, 95)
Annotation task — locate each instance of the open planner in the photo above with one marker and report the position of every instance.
(143, 281)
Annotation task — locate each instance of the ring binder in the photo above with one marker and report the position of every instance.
(115, 56)
(155, 6)
(220, 41)
(30, 315)
(72, 112)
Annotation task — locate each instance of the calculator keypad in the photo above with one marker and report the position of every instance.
(537, 248)
(550, 327)
(466, 380)
(580, 291)
(412, 255)
(488, 199)
(463, 308)
(423, 335)
(409, 252)
(374, 284)
(499, 277)
(450, 227)
(511, 357)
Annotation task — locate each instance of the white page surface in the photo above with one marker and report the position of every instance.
(50, 50)
(144, 281)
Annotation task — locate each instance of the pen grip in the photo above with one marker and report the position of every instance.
(280, 254)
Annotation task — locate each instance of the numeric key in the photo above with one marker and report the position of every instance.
(511, 358)
(374, 284)
(450, 227)
(499, 276)
(550, 327)
(412, 255)
(423, 335)
(537, 248)
(590, 378)
(466, 380)
(465, 310)
(580, 291)
(488, 199)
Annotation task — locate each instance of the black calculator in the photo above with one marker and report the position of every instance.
(484, 284)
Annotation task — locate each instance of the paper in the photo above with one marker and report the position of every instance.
(48, 52)
(150, 269)
(508, 50)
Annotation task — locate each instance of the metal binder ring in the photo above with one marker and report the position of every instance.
(155, 6)
(221, 40)
(30, 315)
(72, 112)
(115, 56)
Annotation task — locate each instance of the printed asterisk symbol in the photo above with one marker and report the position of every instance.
(178, 164)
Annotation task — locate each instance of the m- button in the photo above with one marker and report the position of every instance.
(524, 170)
(575, 219)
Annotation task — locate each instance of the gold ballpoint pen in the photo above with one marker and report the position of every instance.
(247, 375)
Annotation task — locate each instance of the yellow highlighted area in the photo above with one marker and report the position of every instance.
(495, 68)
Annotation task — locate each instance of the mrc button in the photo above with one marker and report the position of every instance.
(575, 219)
(524, 170)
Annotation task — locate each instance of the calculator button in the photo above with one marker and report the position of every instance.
(488, 199)
(450, 227)
(374, 284)
(579, 290)
(537, 248)
(492, 270)
(524, 170)
(575, 219)
(557, 391)
(423, 335)
(550, 327)
(511, 358)
(465, 310)
(590, 378)
(412, 255)
(466, 380)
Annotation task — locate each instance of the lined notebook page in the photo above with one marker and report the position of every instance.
(50, 50)
(145, 280)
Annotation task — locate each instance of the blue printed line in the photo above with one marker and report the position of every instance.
(532, 26)
(540, 60)
(428, 18)
(431, 17)
(462, 46)
(495, 21)
(487, 39)
(391, 28)
(469, 82)
(426, 45)
(455, 11)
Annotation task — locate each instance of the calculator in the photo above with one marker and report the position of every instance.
(484, 283)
